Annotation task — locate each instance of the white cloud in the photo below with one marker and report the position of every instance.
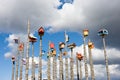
(8, 55)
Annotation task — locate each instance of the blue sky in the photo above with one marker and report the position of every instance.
(56, 16)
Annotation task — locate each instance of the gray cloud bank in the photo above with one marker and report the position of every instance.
(94, 14)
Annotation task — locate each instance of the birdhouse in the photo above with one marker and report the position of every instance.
(102, 32)
(90, 45)
(79, 56)
(61, 45)
(41, 31)
(54, 52)
(32, 38)
(21, 47)
(52, 45)
(71, 46)
(64, 53)
(13, 58)
(85, 32)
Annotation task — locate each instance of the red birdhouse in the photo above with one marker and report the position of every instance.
(52, 45)
(41, 31)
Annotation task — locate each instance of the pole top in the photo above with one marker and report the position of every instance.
(41, 31)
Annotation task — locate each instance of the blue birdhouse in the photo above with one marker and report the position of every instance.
(103, 32)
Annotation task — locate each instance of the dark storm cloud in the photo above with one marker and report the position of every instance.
(104, 14)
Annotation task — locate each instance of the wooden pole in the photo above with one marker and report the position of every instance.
(85, 60)
(106, 59)
(66, 67)
(54, 67)
(48, 63)
(91, 65)
(13, 69)
(80, 70)
(27, 54)
(17, 63)
(66, 59)
(61, 65)
(40, 60)
(77, 68)
(71, 65)
(33, 76)
(21, 64)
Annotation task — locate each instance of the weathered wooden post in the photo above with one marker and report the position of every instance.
(103, 33)
(61, 46)
(41, 33)
(91, 46)
(32, 39)
(13, 67)
(71, 46)
(85, 34)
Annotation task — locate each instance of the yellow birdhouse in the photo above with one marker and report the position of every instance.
(54, 52)
(90, 45)
(85, 32)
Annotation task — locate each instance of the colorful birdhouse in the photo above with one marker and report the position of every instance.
(64, 53)
(54, 52)
(90, 45)
(79, 56)
(21, 47)
(85, 32)
(52, 45)
(102, 32)
(41, 31)
(61, 45)
(32, 38)
(71, 46)
(13, 59)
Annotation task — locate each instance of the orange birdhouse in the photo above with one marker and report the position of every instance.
(21, 47)
(64, 53)
(54, 52)
(90, 45)
(85, 32)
